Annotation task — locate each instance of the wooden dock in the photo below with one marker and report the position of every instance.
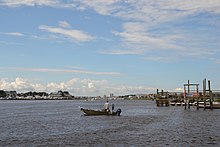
(162, 102)
(190, 97)
(203, 100)
(161, 99)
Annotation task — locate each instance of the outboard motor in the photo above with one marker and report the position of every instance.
(118, 112)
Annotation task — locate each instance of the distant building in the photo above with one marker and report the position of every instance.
(104, 96)
(111, 95)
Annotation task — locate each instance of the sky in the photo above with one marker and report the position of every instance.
(98, 47)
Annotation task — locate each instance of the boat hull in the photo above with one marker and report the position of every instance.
(99, 112)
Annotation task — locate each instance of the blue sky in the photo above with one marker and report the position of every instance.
(108, 46)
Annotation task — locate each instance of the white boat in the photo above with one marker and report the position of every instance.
(178, 104)
(172, 103)
(216, 105)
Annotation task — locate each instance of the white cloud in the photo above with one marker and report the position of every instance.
(143, 17)
(136, 33)
(11, 43)
(160, 58)
(122, 52)
(62, 71)
(103, 7)
(19, 84)
(64, 24)
(179, 89)
(150, 11)
(76, 86)
(164, 45)
(75, 35)
(91, 86)
(15, 34)
(76, 67)
(143, 27)
(17, 3)
(54, 87)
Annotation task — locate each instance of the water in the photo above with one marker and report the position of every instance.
(61, 123)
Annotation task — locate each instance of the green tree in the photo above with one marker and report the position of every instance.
(2, 93)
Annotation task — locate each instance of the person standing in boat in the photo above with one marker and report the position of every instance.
(106, 106)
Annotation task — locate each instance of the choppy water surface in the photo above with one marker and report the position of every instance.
(61, 123)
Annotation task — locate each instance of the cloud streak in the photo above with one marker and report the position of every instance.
(18, 3)
(15, 34)
(75, 35)
(64, 24)
(122, 52)
(141, 10)
(150, 27)
(49, 70)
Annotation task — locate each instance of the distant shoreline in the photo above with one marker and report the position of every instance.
(39, 99)
(63, 98)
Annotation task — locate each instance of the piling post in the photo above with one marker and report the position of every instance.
(209, 85)
(197, 92)
(188, 104)
(204, 87)
(210, 95)
(185, 97)
(188, 98)
(211, 100)
(188, 87)
(204, 93)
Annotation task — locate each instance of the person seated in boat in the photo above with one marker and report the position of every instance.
(106, 106)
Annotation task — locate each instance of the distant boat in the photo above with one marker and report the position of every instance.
(202, 105)
(172, 103)
(100, 112)
(215, 105)
(178, 104)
